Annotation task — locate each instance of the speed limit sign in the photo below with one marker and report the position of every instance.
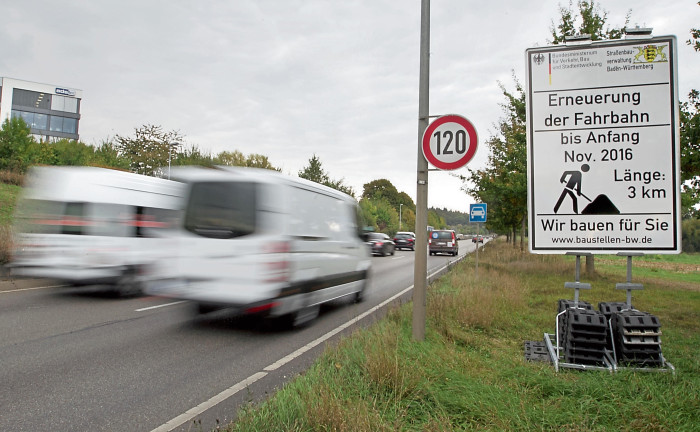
(449, 142)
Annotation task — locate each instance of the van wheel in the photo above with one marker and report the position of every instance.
(128, 285)
(296, 319)
(360, 295)
(203, 308)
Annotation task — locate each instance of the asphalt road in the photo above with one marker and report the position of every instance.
(79, 359)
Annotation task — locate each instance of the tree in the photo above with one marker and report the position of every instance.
(383, 188)
(192, 155)
(150, 150)
(72, 153)
(107, 155)
(314, 172)
(690, 155)
(690, 145)
(590, 21)
(503, 183)
(17, 146)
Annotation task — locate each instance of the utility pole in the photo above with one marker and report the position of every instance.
(420, 273)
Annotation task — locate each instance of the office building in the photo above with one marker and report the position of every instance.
(51, 111)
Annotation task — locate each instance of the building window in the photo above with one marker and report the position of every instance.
(27, 98)
(33, 120)
(63, 124)
(62, 103)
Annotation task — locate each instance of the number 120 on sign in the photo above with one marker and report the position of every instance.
(449, 142)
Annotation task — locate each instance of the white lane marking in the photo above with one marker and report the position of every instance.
(160, 306)
(199, 409)
(31, 289)
(189, 414)
(399, 257)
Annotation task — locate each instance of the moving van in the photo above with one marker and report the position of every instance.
(87, 225)
(260, 242)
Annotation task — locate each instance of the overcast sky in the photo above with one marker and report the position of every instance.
(292, 78)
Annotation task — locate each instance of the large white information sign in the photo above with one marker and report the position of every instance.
(604, 147)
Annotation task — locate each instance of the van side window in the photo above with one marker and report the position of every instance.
(222, 209)
(74, 220)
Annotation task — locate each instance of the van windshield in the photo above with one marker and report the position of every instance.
(221, 209)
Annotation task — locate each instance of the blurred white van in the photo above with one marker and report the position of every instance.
(260, 242)
(87, 225)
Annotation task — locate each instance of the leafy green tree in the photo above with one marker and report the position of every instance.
(690, 155)
(234, 158)
(17, 146)
(255, 160)
(368, 213)
(690, 145)
(150, 150)
(503, 183)
(106, 155)
(382, 188)
(408, 219)
(435, 220)
(192, 155)
(72, 153)
(589, 19)
(314, 171)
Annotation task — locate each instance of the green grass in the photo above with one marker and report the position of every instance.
(8, 199)
(470, 372)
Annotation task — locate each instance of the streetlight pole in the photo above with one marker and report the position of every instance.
(400, 205)
(420, 268)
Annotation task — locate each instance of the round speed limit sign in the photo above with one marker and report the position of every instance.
(449, 142)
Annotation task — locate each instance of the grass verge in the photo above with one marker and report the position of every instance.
(470, 372)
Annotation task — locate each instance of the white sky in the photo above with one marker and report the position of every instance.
(293, 78)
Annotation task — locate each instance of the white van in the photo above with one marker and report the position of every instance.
(87, 225)
(260, 242)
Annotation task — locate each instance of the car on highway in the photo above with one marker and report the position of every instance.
(380, 244)
(478, 239)
(443, 241)
(405, 240)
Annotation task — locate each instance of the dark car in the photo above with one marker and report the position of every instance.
(478, 238)
(405, 240)
(380, 244)
(443, 241)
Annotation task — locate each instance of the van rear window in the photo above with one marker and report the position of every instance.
(221, 209)
(442, 235)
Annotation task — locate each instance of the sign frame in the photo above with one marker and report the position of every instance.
(603, 147)
(451, 125)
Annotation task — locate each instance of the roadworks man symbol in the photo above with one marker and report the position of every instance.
(600, 205)
(650, 54)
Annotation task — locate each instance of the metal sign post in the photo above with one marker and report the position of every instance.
(477, 213)
(420, 269)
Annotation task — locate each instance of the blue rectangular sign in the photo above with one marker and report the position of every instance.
(477, 212)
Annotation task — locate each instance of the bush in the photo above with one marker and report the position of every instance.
(691, 235)
(11, 177)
